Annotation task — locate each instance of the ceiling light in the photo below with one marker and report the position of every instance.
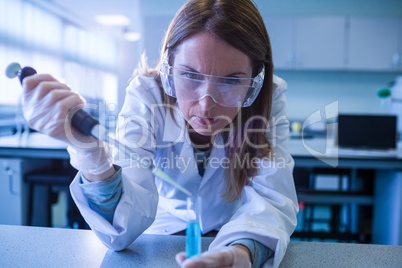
(132, 36)
(112, 20)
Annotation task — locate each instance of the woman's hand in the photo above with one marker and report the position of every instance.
(236, 256)
(48, 106)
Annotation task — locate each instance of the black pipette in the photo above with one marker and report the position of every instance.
(81, 120)
(88, 125)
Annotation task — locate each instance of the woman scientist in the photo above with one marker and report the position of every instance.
(212, 116)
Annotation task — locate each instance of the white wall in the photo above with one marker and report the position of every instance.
(356, 92)
(155, 28)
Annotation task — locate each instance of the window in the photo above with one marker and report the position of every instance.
(34, 37)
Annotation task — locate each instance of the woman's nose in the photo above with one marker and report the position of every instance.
(207, 103)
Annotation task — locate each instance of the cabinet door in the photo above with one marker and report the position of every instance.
(281, 33)
(373, 43)
(320, 43)
(11, 209)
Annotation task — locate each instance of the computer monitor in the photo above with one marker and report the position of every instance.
(367, 131)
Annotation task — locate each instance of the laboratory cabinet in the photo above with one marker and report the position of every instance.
(13, 190)
(281, 31)
(374, 44)
(320, 43)
(307, 42)
(336, 43)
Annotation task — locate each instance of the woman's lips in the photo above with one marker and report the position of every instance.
(205, 121)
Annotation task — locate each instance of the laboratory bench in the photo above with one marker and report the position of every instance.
(315, 156)
(35, 145)
(33, 165)
(20, 155)
(24, 246)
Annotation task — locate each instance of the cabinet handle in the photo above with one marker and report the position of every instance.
(396, 59)
(10, 173)
(290, 59)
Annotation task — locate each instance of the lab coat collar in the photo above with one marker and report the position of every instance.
(174, 131)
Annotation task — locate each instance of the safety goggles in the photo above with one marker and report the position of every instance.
(226, 91)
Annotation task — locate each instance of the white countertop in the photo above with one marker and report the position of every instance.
(33, 140)
(309, 147)
(325, 148)
(23, 246)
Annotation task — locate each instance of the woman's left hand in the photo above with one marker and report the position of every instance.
(236, 256)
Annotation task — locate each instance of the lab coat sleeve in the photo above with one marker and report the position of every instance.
(138, 128)
(269, 202)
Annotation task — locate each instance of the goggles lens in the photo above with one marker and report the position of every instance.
(193, 86)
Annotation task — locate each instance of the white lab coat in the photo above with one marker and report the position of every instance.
(265, 212)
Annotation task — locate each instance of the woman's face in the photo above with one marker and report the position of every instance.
(203, 53)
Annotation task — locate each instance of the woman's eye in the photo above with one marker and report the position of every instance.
(192, 75)
(231, 81)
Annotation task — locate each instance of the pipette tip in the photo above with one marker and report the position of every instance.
(166, 178)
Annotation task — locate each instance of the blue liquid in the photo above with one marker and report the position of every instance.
(193, 239)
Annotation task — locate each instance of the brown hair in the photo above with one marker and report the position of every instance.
(238, 23)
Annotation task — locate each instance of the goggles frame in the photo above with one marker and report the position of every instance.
(251, 91)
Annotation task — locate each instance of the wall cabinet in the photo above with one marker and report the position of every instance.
(336, 43)
(307, 43)
(374, 44)
(320, 43)
(282, 34)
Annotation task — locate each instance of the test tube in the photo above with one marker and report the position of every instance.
(193, 231)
